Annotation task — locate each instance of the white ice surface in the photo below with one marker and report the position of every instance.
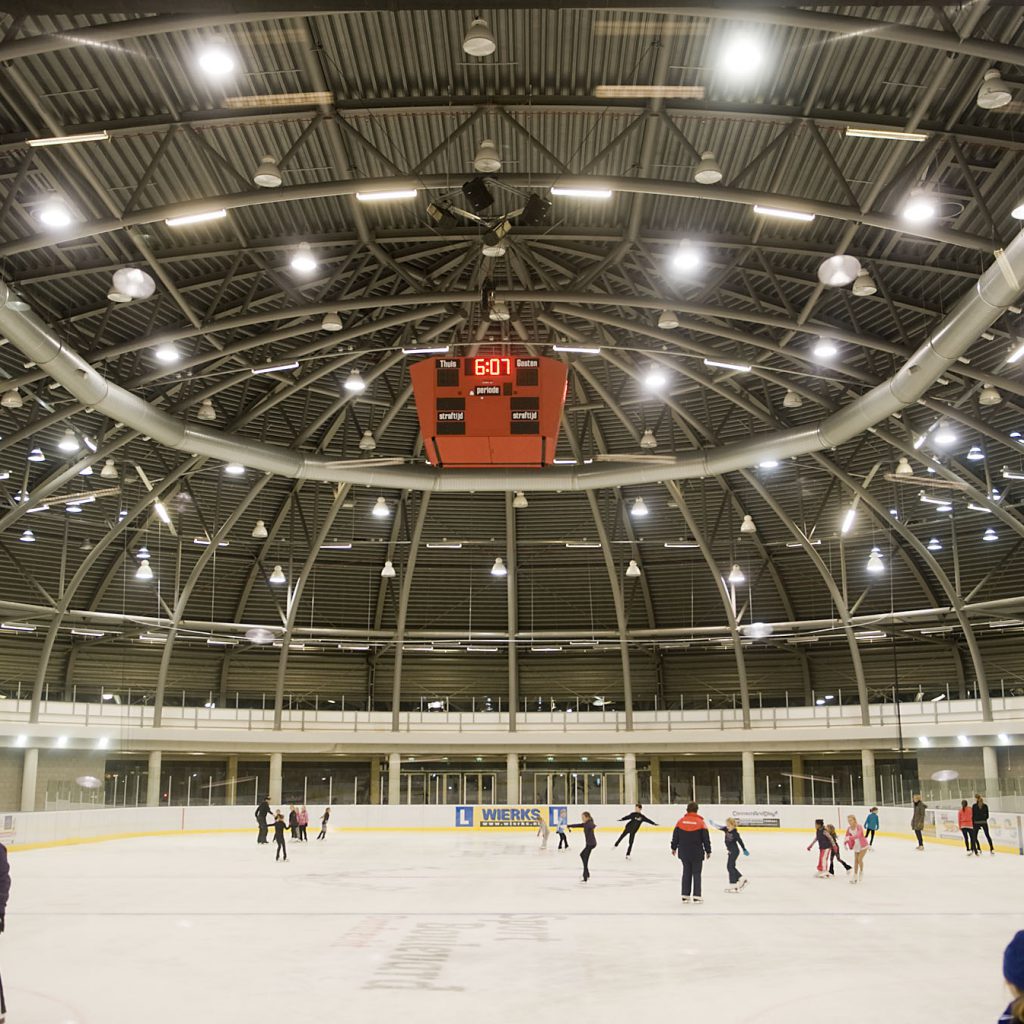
(460, 927)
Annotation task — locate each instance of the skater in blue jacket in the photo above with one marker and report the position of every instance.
(871, 826)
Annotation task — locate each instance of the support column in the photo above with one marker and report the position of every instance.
(512, 784)
(374, 780)
(749, 783)
(991, 762)
(655, 780)
(629, 769)
(29, 771)
(231, 794)
(799, 790)
(867, 760)
(394, 778)
(275, 779)
(153, 781)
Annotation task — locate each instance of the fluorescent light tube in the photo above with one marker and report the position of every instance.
(581, 350)
(161, 510)
(774, 211)
(438, 350)
(1015, 355)
(385, 196)
(64, 140)
(582, 193)
(336, 547)
(739, 367)
(195, 218)
(279, 368)
(885, 133)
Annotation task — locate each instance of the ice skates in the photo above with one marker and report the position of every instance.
(698, 899)
(686, 899)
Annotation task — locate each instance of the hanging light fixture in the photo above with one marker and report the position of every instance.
(380, 509)
(848, 520)
(903, 467)
(875, 564)
(864, 284)
(791, 400)
(144, 572)
(167, 354)
(36, 455)
(268, 174)
(216, 58)
(639, 509)
(68, 443)
(54, 213)
(990, 535)
(632, 570)
(277, 577)
(388, 572)
(234, 469)
(945, 435)
(259, 531)
(989, 395)
(748, 525)
(85, 471)
(825, 348)
(143, 552)
(994, 92)
(499, 568)
(920, 207)
(707, 171)
(975, 454)
(130, 283)
(11, 399)
(648, 441)
(206, 411)
(109, 470)
(367, 443)
(668, 321)
(935, 544)
(736, 576)
(686, 259)
(355, 383)
(487, 159)
(840, 270)
(655, 378)
(27, 537)
(86, 545)
(303, 261)
(519, 501)
(331, 322)
(479, 40)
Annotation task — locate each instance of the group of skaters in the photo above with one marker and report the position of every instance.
(859, 840)
(297, 823)
(972, 819)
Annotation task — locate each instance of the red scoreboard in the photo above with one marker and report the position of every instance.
(492, 410)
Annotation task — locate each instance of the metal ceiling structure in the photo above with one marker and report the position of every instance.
(362, 101)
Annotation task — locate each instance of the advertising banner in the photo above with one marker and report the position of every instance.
(473, 816)
(757, 819)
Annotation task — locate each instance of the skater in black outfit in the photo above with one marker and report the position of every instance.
(979, 815)
(692, 845)
(5, 891)
(589, 841)
(323, 822)
(262, 813)
(733, 844)
(279, 827)
(831, 829)
(633, 822)
(293, 822)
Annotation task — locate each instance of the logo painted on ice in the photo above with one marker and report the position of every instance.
(463, 817)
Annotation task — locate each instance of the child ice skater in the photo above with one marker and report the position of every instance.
(323, 822)
(824, 843)
(835, 851)
(858, 843)
(965, 821)
(543, 830)
(633, 822)
(303, 824)
(733, 844)
(279, 827)
(563, 839)
(980, 814)
(871, 825)
(589, 827)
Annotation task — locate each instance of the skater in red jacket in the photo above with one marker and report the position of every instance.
(692, 845)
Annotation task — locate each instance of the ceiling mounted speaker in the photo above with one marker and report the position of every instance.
(535, 211)
(479, 195)
(839, 271)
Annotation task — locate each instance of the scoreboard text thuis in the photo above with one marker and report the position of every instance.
(489, 410)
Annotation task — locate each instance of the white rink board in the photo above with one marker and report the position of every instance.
(470, 925)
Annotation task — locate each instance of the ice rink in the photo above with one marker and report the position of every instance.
(459, 927)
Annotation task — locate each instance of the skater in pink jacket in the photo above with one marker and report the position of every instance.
(856, 841)
(303, 824)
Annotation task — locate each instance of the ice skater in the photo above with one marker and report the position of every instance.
(965, 822)
(293, 822)
(692, 845)
(835, 851)
(262, 813)
(1013, 973)
(5, 891)
(824, 843)
(633, 822)
(858, 843)
(917, 820)
(323, 822)
(543, 831)
(589, 827)
(979, 813)
(871, 825)
(303, 824)
(563, 839)
(733, 844)
(279, 827)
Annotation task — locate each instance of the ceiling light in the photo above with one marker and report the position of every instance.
(259, 635)
(85, 471)
(989, 395)
(864, 284)
(848, 519)
(686, 258)
(792, 400)
(736, 576)
(920, 207)
(277, 576)
(839, 271)
(331, 322)
(1010, 475)
(426, 350)
(903, 467)
(499, 312)
(519, 501)
(963, 741)
(722, 365)
(144, 572)
(648, 441)
(130, 283)
(367, 443)
(479, 40)
(234, 469)
(632, 570)
(975, 454)
(27, 537)
(945, 435)
(11, 399)
(707, 172)
(36, 455)
(54, 213)
(825, 348)
(667, 320)
(1017, 213)
(655, 378)
(259, 531)
(885, 133)
(576, 349)
(167, 354)
(68, 443)
(581, 193)
(487, 159)
(65, 140)
(994, 92)
(768, 464)
(990, 535)
(388, 572)
(875, 564)
(256, 371)
(206, 411)
(303, 261)
(499, 568)
(639, 509)
(195, 218)
(143, 552)
(748, 525)
(161, 513)
(741, 56)
(216, 60)
(387, 195)
(380, 509)
(73, 508)
(268, 174)
(775, 211)
(935, 544)
(494, 250)
(355, 383)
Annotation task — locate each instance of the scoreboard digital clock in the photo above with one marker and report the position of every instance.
(493, 410)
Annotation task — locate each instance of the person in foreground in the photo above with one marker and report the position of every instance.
(589, 827)
(1013, 972)
(691, 843)
(5, 891)
(917, 820)
(858, 843)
